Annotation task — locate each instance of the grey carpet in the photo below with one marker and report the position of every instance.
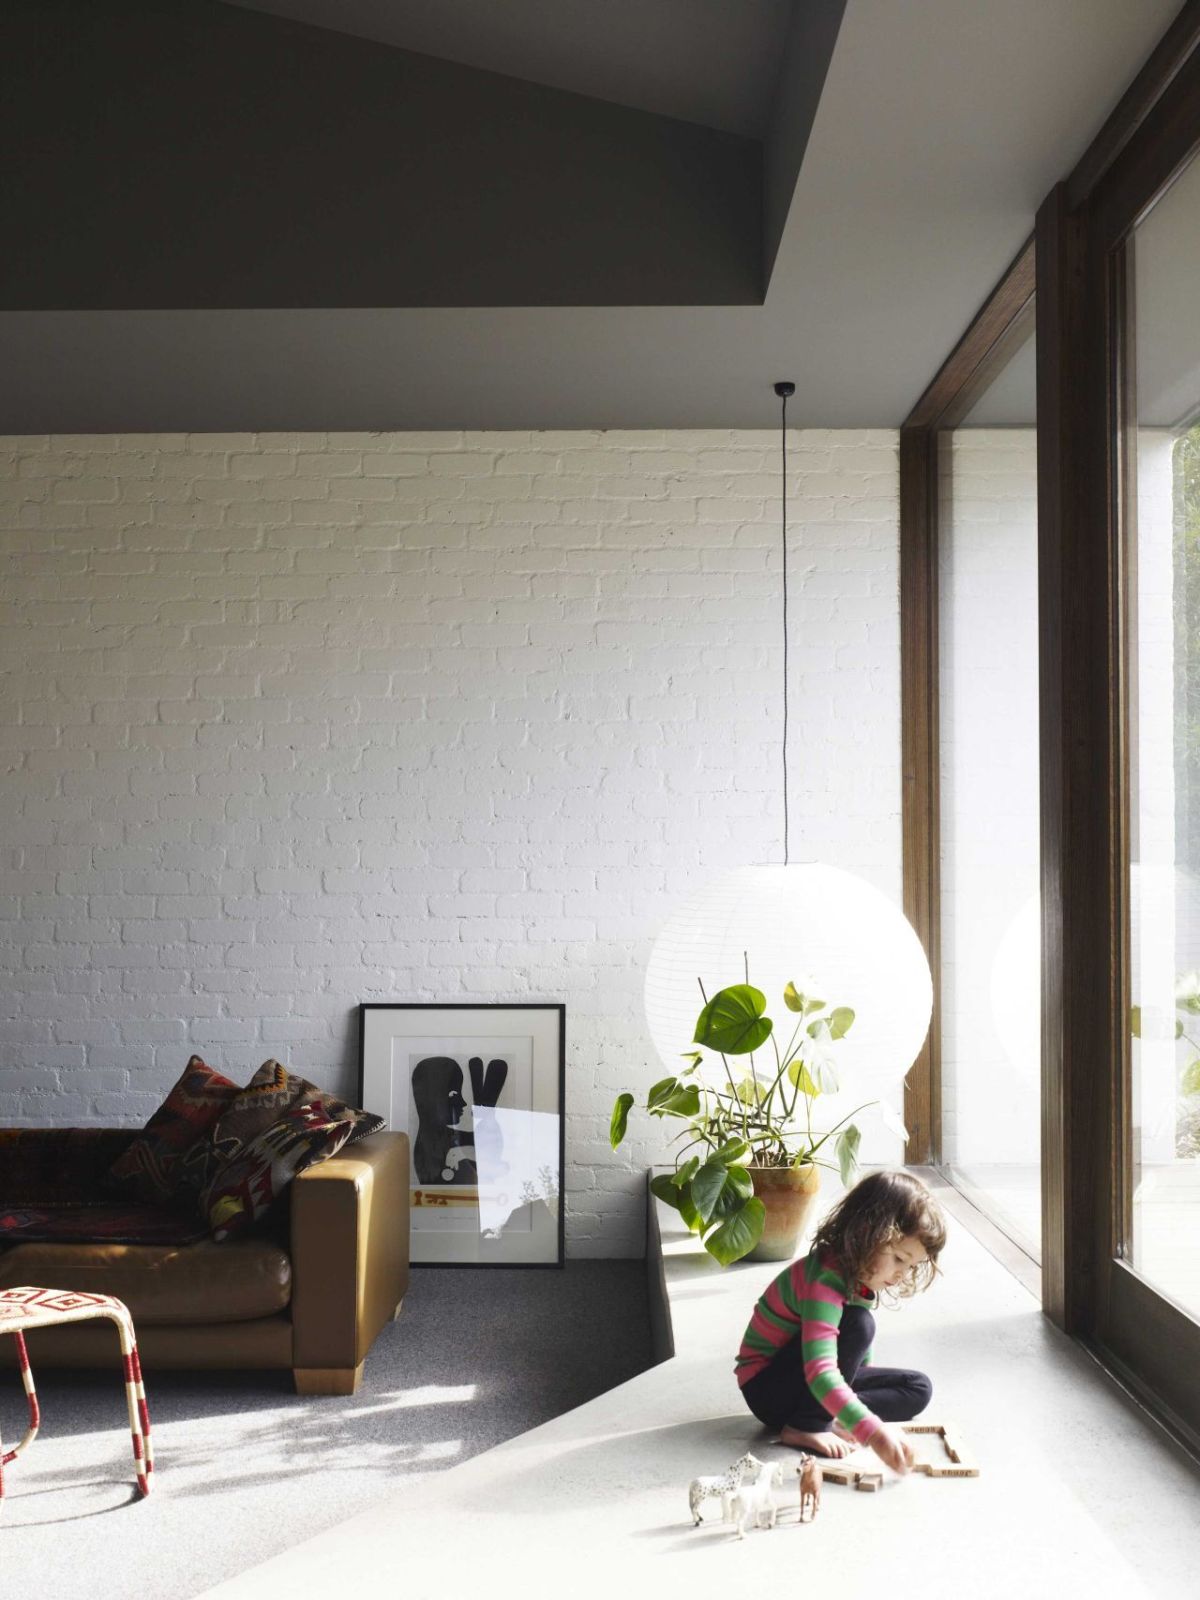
(245, 1467)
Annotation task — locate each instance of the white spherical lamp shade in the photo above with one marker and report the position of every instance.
(830, 933)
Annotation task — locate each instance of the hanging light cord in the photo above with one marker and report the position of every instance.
(783, 390)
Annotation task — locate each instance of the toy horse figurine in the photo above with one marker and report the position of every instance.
(809, 1473)
(753, 1504)
(723, 1487)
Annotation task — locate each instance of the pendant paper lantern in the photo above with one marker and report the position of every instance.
(833, 935)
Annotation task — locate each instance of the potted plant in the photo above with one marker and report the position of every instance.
(746, 1175)
(1154, 1025)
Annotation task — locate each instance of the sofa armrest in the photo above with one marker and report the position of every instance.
(349, 1250)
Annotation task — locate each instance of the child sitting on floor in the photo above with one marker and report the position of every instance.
(804, 1365)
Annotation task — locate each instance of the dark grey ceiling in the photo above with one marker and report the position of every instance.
(709, 61)
(927, 146)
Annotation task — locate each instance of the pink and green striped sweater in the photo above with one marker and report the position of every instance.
(806, 1300)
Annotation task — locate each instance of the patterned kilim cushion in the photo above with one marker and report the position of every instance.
(272, 1091)
(285, 1125)
(96, 1224)
(251, 1110)
(168, 1163)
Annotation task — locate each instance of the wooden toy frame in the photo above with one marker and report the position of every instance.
(958, 1463)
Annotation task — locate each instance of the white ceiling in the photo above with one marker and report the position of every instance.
(942, 125)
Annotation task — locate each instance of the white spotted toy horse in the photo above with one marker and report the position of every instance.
(722, 1488)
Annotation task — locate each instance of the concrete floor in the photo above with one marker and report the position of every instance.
(1079, 1495)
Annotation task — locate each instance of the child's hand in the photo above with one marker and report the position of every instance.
(892, 1448)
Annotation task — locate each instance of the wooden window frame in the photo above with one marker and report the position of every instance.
(1076, 263)
(1001, 324)
(1083, 299)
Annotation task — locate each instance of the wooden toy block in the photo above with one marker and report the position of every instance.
(859, 1477)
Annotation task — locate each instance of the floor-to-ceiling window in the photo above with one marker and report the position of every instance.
(1162, 551)
(988, 747)
(1050, 645)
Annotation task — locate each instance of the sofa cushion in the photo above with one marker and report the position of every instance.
(127, 1222)
(167, 1163)
(245, 1189)
(39, 1166)
(163, 1283)
(272, 1091)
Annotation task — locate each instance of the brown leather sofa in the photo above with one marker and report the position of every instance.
(312, 1294)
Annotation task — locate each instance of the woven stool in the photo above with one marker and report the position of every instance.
(21, 1309)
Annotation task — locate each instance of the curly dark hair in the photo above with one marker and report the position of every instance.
(884, 1206)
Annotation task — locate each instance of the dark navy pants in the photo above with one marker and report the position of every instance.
(779, 1396)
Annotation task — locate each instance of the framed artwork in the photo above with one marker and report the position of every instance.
(479, 1091)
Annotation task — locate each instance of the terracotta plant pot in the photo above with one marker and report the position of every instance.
(789, 1194)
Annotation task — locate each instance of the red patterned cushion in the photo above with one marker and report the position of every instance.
(311, 1127)
(167, 1164)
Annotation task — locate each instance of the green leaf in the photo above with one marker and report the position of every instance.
(1178, 1028)
(686, 1172)
(825, 1078)
(671, 1098)
(738, 1234)
(684, 1102)
(1135, 1022)
(661, 1092)
(813, 1005)
(620, 1119)
(841, 1020)
(662, 1185)
(793, 999)
(733, 1022)
(819, 1029)
(740, 1183)
(748, 1092)
(847, 1145)
(694, 1058)
(706, 1188)
(799, 1076)
(728, 1201)
(1191, 1077)
(733, 1150)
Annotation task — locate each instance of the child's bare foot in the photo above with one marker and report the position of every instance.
(822, 1444)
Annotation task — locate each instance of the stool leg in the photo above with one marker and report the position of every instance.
(35, 1414)
(135, 1399)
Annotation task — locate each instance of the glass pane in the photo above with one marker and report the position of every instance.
(988, 644)
(1163, 552)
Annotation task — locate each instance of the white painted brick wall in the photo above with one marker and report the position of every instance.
(294, 721)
